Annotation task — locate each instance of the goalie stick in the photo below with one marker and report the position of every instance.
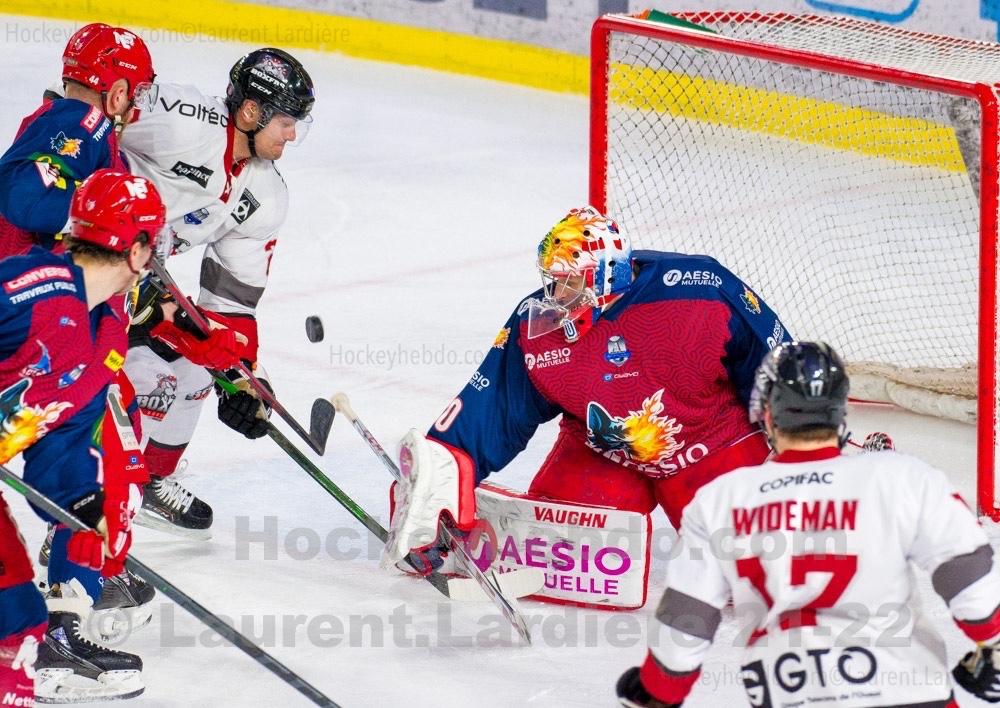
(462, 589)
(489, 582)
(200, 612)
(322, 416)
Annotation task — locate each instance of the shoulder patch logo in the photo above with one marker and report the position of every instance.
(750, 300)
(246, 206)
(197, 174)
(63, 145)
(501, 339)
(618, 352)
(50, 174)
(114, 360)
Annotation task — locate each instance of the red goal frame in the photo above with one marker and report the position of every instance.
(604, 27)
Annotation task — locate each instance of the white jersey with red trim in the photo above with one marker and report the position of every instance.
(185, 146)
(816, 551)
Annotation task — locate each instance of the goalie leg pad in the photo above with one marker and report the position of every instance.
(437, 479)
(592, 556)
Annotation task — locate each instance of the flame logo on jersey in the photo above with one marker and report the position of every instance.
(501, 339)
(645, 436)
(751, 301)
(22, 425)
(64, 145)
(564, 245)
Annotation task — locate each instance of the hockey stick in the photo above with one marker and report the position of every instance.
(200, 613)
(316, 439)
(489, 583)
(440, 582)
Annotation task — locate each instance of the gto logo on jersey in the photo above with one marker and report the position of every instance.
(793, 672)
(200, 174)
(553, 357)
(618, 352)
(691, 277)
(245, 207)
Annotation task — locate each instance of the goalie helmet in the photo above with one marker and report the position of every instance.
(585, 261)
(804, 385)
(110, 209)
(97, 55)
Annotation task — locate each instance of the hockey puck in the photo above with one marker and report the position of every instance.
(314, 328)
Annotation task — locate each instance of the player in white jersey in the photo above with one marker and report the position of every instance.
(814, 548)
(212, 159)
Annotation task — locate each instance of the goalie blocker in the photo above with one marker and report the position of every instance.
(591, 556)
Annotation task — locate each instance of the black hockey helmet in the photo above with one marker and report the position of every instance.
(278, 83)
(804, 384)
(275, 79)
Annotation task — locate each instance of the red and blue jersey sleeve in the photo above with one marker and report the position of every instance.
(498, 411)
(56, 356)
(59, 146)
(754, 331)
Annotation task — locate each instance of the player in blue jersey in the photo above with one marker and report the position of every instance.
(649, 359)
(107, 76)
(61, 345)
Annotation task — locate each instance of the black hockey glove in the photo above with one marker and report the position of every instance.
(632, 694)
(979, 673)
(243, 411)
(145, 303)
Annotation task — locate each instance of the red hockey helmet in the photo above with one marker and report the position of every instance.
(97, 55)
(110, 209)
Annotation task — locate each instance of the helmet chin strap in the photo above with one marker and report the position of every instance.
(250, 136)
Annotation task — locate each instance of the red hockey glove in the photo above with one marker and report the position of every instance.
(86, 548)
(219, 350)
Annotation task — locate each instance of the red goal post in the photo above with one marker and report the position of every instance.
(846, 170)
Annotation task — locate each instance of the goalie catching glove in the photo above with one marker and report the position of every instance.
(979, 673)
(436, 479)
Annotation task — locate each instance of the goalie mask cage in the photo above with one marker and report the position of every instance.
(846, 170)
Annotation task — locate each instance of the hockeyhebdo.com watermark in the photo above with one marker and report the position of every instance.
(188, 32)
(388, 358)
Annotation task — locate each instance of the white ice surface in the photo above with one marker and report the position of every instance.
(416, 205)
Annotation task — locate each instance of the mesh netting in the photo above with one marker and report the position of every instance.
(846, 202)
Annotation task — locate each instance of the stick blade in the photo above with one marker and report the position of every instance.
(320, 422)
(515, 583)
